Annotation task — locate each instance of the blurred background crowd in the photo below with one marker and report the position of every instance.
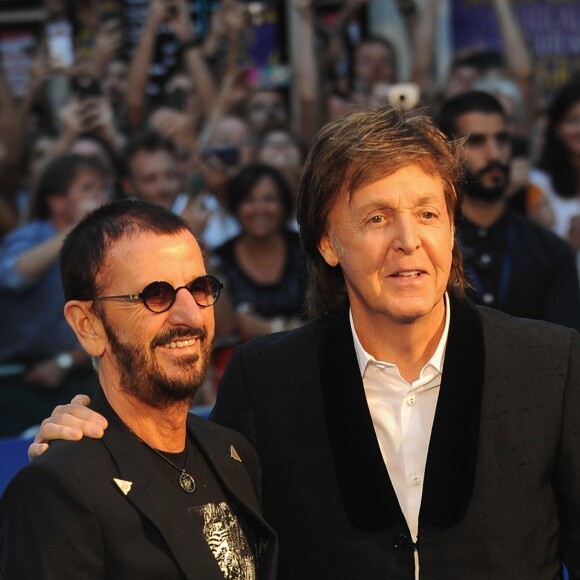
(207, 107)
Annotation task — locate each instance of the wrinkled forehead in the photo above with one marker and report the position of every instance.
(145, 256)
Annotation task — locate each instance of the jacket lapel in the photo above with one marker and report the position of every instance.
(369, 498)
(452, 456)
(152, 495)
(367, 491)
(231, 473)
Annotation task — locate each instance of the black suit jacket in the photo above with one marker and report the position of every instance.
(501, 497)
(542, 278)
(63, 516)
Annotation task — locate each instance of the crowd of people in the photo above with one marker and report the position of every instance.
(376, 289)
(226, 154)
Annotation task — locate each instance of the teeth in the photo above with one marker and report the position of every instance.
(407, 274)
(180, 343)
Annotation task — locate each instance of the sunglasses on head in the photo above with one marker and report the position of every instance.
(160, 296)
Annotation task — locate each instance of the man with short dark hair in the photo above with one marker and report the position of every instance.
(511, 262)
(164, 494)
(150, 171)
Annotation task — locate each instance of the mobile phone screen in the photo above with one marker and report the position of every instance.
(60, 44)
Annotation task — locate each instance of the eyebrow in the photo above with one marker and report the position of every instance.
(423, 199)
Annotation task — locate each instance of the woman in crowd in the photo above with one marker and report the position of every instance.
(554, 192)
(263, 267)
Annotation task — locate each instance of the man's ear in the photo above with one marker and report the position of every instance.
(328, 251)
(86, 325)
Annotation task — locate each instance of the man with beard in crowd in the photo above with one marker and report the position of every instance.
(164, 494)
(511, 263)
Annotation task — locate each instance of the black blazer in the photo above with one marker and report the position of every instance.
(542, 279)
(63, 516)
(501, 497)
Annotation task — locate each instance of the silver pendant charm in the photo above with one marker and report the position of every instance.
(187, 482)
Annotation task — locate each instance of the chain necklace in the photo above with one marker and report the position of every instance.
(186, 481)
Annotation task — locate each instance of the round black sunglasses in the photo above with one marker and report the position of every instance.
(160, 296)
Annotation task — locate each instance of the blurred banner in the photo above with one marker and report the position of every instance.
(551, 28)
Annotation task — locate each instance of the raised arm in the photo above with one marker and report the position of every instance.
(517, 56)
(139, 68)
(423, 42)
(10, 173)
(193, 58)
(306, 71)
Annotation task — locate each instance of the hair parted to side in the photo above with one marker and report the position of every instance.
(85, 248)
(356, 150)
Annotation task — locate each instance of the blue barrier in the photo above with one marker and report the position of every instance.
(13, 457)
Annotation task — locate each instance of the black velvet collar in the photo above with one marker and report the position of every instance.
(369, 498)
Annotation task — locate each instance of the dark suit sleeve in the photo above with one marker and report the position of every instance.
(232, 407)
(567, 472)
(53, 534)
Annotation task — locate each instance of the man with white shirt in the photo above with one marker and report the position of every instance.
(405, 432)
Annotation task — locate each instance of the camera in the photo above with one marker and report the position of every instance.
(404, 95)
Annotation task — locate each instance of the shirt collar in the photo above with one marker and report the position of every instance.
(436, 361)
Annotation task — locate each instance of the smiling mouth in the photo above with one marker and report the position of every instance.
(407, 274)
(180, 343)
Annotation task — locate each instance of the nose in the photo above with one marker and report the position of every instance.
(186, 311)
(406, 234)
(494, 149)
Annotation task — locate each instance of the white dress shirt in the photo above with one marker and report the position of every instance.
(402, 415)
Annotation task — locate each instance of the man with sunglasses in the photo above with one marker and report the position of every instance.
(511, 263)
(163, 494)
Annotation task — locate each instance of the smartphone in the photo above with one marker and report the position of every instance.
(59, 44)
(86, 87)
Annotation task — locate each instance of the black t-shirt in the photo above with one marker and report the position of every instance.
(229, 537)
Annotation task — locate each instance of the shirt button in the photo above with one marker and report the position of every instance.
(411, 399)
(485, 259)
(416, 481)
(488, 298)
(400, 541)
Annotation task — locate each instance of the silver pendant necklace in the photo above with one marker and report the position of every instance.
(186, 481)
